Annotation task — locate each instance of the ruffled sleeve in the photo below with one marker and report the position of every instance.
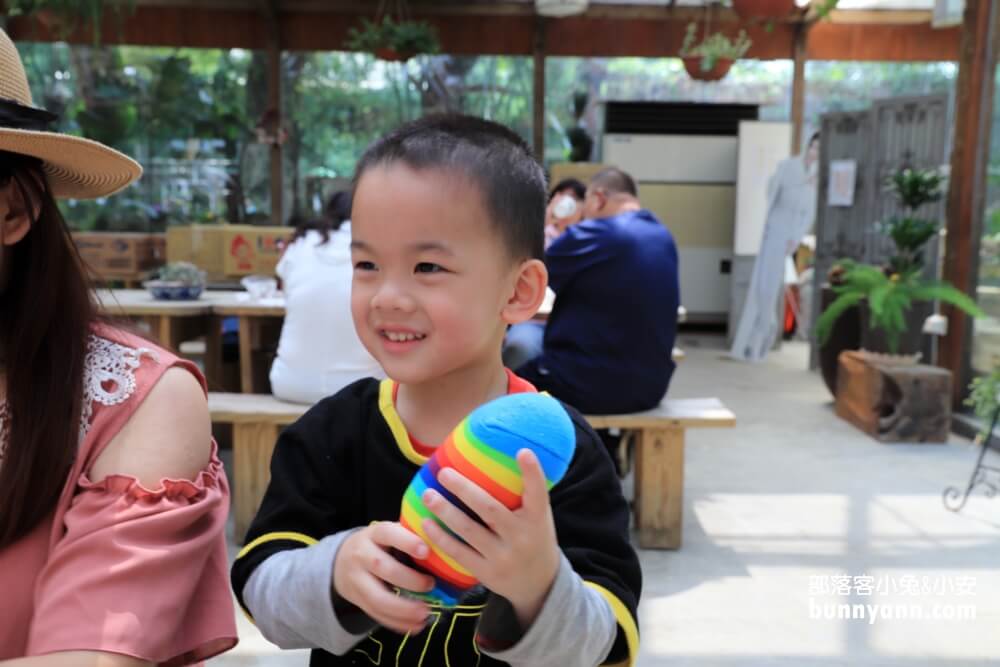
(140, 572)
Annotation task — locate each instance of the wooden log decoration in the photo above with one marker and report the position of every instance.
(894, 399)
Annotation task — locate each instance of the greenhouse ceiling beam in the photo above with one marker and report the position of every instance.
(231, 26)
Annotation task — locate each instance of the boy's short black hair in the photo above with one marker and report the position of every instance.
(495, 158)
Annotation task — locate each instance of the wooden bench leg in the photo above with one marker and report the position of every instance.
(253, 445)
(659, 487)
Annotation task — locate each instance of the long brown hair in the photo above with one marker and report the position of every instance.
(46, 314)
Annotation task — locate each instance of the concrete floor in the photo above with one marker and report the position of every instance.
(778, 507)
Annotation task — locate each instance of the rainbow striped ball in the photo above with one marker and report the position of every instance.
(483, 448)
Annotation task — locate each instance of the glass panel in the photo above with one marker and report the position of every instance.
(187, 115)
(986, 331)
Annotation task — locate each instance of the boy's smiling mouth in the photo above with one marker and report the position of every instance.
(401, 336)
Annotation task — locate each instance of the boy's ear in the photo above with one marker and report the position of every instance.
(529, 292)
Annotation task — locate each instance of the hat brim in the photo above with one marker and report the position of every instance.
(77, 168)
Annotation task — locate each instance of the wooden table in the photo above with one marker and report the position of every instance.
(252, 315)
(172, 322)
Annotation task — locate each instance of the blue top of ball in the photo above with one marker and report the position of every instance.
(528, 421)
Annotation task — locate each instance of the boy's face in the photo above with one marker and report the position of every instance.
(432, 279)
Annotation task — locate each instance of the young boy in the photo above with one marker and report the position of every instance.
(447, 235)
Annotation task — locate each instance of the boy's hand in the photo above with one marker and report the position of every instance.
(516, 554)
(364, 572)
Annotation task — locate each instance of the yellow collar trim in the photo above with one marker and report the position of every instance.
(388, 409)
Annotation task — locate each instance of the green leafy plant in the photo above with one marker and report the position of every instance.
(69, 14)
(912, 188)
(405, 38)
(889, 296)
(714, 47)
(983, 398)
(890, 291)
(185, 273)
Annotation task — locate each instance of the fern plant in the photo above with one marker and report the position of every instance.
(889, 296)
(890, 291)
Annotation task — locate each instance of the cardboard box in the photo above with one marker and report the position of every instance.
(228, 251)
(121, 255)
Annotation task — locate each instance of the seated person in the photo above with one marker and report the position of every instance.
(565, 208)
(319, 351)
(608, 343)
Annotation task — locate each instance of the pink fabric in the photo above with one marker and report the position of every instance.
(121, 568)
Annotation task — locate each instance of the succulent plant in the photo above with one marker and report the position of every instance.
(185, 273)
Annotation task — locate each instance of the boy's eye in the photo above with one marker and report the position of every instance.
(428, 267)
(365, 266)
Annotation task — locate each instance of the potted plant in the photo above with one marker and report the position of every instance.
(393, 40)
(710, 59)
(886, 294)
(177, 281)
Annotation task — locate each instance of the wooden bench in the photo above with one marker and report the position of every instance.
(659, 454)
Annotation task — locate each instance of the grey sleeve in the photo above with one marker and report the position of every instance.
(574, 627)
(290, 596)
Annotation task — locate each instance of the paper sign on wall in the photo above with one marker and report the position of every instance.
(843, 175)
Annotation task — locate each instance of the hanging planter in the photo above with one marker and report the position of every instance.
(766, 9)
(711, 59)
(391, 40)
(715, 72)
(390, 54)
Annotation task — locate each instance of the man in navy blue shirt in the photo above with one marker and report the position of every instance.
(608, 343)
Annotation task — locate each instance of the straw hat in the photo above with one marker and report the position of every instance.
(77, 168)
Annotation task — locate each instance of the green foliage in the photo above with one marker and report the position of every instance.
(714, 47)
(406, 38)
(889, 292)
(69, 14)
(984, 399)
(889, 297)
(916, 187)
(822, 8)
(909, 235)
(185, 273)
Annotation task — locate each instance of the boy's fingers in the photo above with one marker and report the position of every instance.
(536, 490)
(465, 556)
(474, 534)
(393, 534)
(386, 567)
(391, 610)
(493, 513)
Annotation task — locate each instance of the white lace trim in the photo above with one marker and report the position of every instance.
(108, 379)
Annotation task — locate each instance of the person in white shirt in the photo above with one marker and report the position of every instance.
(319, 351)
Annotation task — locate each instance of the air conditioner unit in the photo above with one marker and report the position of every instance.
(560, 7)
(948, 13)
(683, 157)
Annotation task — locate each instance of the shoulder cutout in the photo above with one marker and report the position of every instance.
(169, 435)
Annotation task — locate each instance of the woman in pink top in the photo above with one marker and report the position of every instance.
(112, 500)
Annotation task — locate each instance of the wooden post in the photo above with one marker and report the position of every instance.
(659, 487)
(274, 102)
(967, 187)
(538, 96)
(253, 445)
(799, 85)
